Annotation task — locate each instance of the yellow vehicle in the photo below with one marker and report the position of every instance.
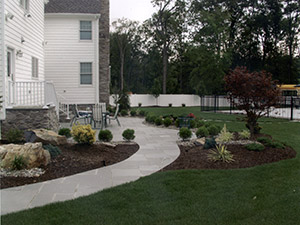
(289, 89)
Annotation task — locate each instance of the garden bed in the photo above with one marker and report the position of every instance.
(195, 157)
(76, 159)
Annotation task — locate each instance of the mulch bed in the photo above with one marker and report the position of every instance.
(196, 158)
(76, 159)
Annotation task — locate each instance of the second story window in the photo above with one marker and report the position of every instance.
(35, 67)
(85, 30)
(86, 73)
(25, 4)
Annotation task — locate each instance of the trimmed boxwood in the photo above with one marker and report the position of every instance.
(128, 134)
(167, 122)
(202, 132)
(65, 132)
(213, 130)
(185, 133)
(105, 135)
(255, 147)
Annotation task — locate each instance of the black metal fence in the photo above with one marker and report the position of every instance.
(288, 107)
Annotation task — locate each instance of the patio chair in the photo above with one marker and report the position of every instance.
(97, 116)
(80, 115)
(115, 117)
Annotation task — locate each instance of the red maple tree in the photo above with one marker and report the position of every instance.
(254, 93)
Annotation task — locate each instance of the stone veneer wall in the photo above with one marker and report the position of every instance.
(104, 71)
(30, 118)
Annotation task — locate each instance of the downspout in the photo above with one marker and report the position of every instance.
(97, 59)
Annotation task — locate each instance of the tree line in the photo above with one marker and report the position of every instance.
(188, 46)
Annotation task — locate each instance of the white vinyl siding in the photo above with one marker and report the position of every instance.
(63, 54)
(85, 30)
(35, 67)
(86, 73)
(2, 60)
(25, 4)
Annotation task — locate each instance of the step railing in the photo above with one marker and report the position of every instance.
(63, 106)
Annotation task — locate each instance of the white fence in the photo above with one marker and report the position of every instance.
(162, 100)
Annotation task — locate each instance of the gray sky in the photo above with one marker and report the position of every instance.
(132, 9)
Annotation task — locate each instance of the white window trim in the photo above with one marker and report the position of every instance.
(34, 70)
(92, 74)
(25, 6)
(90, 40)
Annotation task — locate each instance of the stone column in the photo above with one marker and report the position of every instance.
(104, 54)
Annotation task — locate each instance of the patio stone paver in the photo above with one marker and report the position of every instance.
(158, 148)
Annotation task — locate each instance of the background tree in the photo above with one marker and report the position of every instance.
(253, 92)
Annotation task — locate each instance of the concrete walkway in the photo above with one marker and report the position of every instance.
(158, 148)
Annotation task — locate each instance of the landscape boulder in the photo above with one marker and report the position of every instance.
(33, 155)
(46, 137)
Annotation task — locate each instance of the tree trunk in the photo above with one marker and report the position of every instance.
(122, 70)
(165, 68)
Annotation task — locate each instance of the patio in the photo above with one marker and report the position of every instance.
(158, 148)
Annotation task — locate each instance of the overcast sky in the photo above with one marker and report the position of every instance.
(132, 9)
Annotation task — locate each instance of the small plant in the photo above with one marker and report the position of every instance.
(192, 123)
(202, 132)
(255, 147)
(128, 135)
(277, 144)
(133, 112)
(191, 115)
(177, 122)
(213, 130)
(140, 104)
(185, 133)
(83, 134)
(209, 143)
(170, 104)
(158, 121)
(124, 112)
(65, 132)
(220, 154)
(245, 134)
(14, 136)
(18, 163)
(183, 104)
(142, 112)
(53, 150)
(153, 119)
(269, 142)
(224, 135)
(200, 123)
(105, 135)
(167, 122)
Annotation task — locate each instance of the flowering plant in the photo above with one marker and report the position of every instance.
(83, 134)
(191, 115)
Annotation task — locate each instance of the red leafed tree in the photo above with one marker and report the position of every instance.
(254, 92)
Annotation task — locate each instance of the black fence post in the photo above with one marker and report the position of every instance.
(215, 104)
(292, 108)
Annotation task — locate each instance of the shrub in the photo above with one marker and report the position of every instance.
(133, 112)
(18, 163)
(245, 134)
(202, 132)
(209, 143)
(255, 147)
(191, 115)
(14, 135)
(177, 122)
(277, 144)
(170, 104)
(65, 132)
(183, 105)
(192, 123)
(124, 101)
(185, 133)
(142, 112)
(153, 118)
(200, 123)
(128, 134)
(158, 121)
(140, 104)
(269, 142)
(105, 135)
(220, 154)
(167, 122)
(213, 130)
(224, 135)
(83, 134)
(124, 112)
(53, 150)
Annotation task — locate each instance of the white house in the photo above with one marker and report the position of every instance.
(72, 49)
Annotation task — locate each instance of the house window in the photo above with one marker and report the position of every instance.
(35, 67)
(85, 30)
(25, 4)
(86, 73)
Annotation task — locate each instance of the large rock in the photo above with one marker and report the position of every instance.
(48, 137)
(33, 154)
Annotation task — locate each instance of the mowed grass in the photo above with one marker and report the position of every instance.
(268, 194)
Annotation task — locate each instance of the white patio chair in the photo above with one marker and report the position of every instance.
(97, 116)
(115, 117)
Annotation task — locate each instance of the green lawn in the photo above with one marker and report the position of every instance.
(268, 194)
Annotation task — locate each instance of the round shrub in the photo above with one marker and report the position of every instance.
(124, 112)
(133, 112)
(192, 123)
(255, 147)
(158, 121)
(202, 132)
(83, 134)
(167, 122)
(213, 130)
(128, 134)
(200, 123)
(153, 119)
(65, 132)
(177, 122)
(142, 112)
(105, 135)
(209, 143)
(185, 133)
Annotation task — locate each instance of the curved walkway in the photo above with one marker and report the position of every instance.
(158, 148)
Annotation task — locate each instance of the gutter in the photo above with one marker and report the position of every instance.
(88, 15)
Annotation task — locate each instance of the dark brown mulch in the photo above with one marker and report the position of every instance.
(76, 159)
(196, 158)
